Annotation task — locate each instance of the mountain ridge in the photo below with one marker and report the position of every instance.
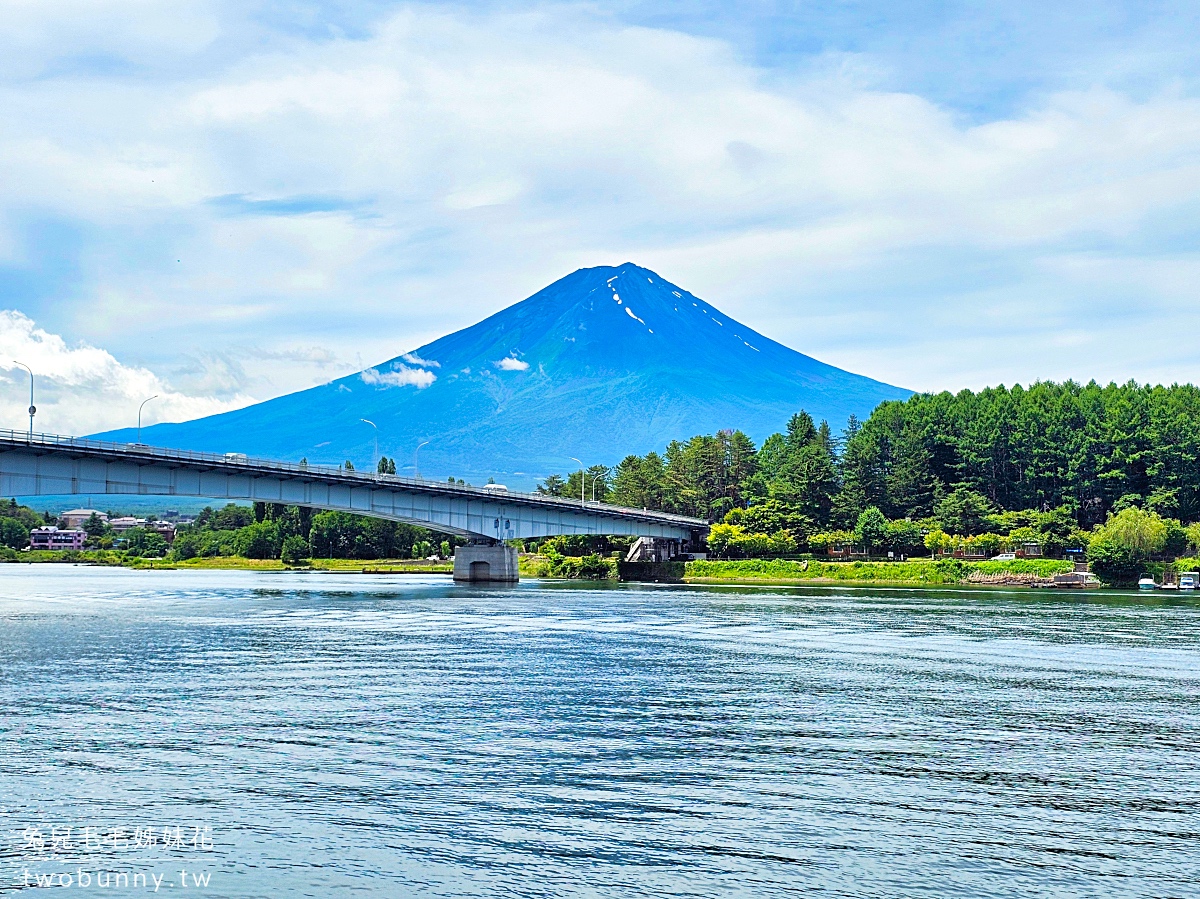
(604, 362)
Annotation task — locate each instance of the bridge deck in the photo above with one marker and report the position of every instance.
(44, 464)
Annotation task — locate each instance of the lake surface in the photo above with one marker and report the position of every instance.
(348, 735)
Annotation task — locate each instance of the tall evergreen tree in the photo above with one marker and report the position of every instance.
(807, 475)
(909, 483)
(638, 482)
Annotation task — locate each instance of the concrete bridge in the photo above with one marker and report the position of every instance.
(47, 465)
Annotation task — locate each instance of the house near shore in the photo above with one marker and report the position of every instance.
(56, 539)
(847, 551)
(164, 528)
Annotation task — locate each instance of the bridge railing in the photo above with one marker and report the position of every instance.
(366, 478)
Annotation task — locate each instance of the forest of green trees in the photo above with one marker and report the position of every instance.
(261, 531)
(293, 533)
(15, 524)
(1048, 463)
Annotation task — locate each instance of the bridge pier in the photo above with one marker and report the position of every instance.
(486, 563)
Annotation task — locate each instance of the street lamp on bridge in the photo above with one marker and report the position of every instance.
(416, 453)
(146, 400)
(376, 427)
(32, 407)
(594, 480)
(582, 482)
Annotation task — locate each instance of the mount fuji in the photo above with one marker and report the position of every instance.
(602, 363)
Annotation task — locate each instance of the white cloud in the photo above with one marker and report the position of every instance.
(478, 195)
(459, 161)
(83, 389)
(400, 376)
(414, 359)
(511, 363)
(246, 370)
(39, 33)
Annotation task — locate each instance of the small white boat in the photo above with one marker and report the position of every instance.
(1146, 583)
(1187, 581)
(1168, 586)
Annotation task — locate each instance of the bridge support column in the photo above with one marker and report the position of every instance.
(482, 563)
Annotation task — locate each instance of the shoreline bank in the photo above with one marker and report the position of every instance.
(1008, 575)
(111, 559)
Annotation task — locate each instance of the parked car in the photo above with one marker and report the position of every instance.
(1004, 557)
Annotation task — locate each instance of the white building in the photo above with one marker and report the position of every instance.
(76, 518)
(120, 525)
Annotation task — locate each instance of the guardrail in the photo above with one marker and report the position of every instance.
(331, 472)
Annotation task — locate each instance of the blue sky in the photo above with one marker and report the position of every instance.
(220, 202)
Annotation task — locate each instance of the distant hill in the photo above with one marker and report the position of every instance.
(602, 363)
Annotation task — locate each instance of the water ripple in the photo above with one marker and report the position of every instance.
(391, 738)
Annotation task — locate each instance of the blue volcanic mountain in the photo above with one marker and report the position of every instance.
(604, 362)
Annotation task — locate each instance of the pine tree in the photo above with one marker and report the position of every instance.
(554, 485)
(909, 483)
(807, 475)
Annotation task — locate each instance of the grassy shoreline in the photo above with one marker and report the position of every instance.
(746, 572)
(842, 582)
(110, 558)
(354, 566)
(912, 573)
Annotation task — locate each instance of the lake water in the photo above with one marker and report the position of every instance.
(348, 735)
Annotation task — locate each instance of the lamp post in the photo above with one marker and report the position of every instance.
(594, 480)
(32, 407)
(146, 400)
(416, 454)
(582, 482)
(376, 427)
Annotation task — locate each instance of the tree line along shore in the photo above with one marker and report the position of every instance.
(1054, 473)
